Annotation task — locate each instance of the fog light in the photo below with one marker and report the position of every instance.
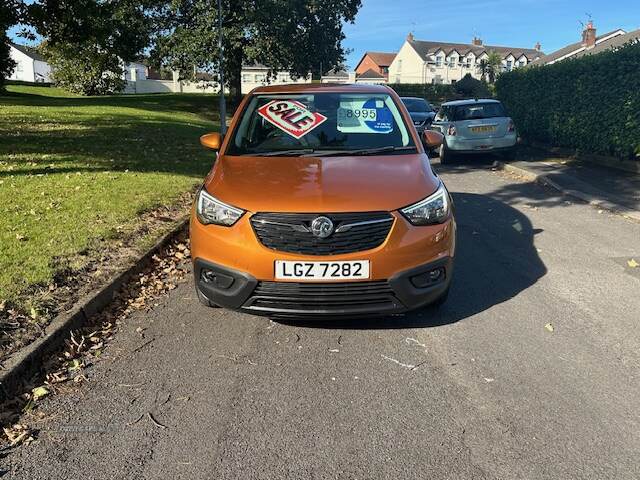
(217, 279)
(429, 278)
(434, 275)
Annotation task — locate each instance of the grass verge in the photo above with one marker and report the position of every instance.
(77, 171)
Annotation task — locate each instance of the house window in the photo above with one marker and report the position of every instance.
(469, 60)
(521, 63)
(246, 78)
(19, 67)
(509, 65)
(453, 61)
(260, 77)
(438, 61)
(399, 65)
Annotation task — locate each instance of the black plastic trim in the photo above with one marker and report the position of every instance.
(232, 297)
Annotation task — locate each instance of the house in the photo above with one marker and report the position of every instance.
(257, 75)
(379, 62)
(371, 77)
(338, 76)
(30, 65)
(590, 44)
(135, 71)
(421, 61)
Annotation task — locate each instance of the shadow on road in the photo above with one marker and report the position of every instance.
(495, 260)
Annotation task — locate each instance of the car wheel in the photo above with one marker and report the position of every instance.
(204, 300)
(447, 157)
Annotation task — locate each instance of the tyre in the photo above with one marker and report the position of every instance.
(447, 157)
(204, 300)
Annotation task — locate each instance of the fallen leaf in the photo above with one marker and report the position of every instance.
(39, 392)
(632, 263)
(549, 327)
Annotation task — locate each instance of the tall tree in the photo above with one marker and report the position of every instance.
(9, 15)
(491, 66)
(299, 36)
(88, 41)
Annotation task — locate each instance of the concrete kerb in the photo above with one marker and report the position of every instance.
(25, 363)
(585, 197)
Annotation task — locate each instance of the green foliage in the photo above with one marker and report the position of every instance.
(470, 87)
(300, 36)
(87, 40)
(491, 67)
(433, 93)
(6, 63)
(591, 103)
(9, 16)
(85, 69)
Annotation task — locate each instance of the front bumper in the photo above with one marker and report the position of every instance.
(243, 271)
(405, 291)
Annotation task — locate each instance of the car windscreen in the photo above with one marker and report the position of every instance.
(475, 111)
(298, 124)
(417, 105)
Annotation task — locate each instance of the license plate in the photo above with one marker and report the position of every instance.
(322, 271)
(482, 129)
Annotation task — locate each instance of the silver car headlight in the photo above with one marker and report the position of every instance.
(210, 210)
(432, 210)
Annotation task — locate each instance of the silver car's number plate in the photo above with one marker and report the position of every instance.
(483, 128)
(322, 271)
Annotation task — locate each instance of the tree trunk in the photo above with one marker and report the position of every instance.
(233, 62)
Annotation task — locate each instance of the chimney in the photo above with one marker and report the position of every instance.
(538, 47)
(477, 41)
(589, 35)
(410, 37)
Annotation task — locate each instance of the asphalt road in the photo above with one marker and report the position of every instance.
(480, 389)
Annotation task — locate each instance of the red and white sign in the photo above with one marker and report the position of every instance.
(291, 117)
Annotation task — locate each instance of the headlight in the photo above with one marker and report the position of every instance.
(433, 209)
(211, 210)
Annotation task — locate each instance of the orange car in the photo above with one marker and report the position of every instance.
(322, 202)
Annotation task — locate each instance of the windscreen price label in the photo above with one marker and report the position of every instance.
(345, 115)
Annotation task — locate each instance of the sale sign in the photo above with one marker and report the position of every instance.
(291, 117)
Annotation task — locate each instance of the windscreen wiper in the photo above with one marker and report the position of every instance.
(283, 153)
(364, 151)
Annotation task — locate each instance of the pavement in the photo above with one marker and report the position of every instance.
(529, 371)
(608, 187)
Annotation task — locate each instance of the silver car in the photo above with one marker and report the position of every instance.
(474, 126)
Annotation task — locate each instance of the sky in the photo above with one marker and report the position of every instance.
(382, 25)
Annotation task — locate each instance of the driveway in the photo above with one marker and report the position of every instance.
(530, 371)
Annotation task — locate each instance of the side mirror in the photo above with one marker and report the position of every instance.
(432, 139)
(211, 140)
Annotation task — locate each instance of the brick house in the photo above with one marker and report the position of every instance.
(378, 62)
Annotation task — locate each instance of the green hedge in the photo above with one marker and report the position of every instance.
(435, 94)
(591, 104)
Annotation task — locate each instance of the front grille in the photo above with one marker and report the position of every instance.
(323, 298)
(290, 232)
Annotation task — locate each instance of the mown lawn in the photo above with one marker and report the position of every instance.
(74, 170)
